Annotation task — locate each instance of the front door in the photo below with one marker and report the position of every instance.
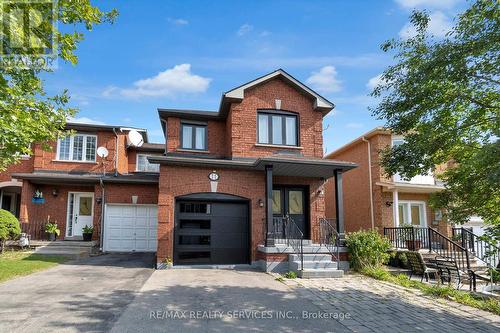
(80, 213)
(292, 201)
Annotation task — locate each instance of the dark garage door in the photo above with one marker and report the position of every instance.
(210, 232)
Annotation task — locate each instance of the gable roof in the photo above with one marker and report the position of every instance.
(376, 131)
(320, 103)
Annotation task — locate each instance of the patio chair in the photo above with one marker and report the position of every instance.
(418, 266)
(451, 273)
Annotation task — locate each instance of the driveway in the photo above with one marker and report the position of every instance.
(86, 295)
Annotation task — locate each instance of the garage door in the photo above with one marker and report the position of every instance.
(211, 233)
(130, 228)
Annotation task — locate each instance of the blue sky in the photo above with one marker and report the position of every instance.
(185, 54)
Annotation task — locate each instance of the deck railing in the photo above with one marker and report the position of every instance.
(482, 249)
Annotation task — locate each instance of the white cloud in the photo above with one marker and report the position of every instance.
(178, 21)
(427, 3)
(176, 80)
(84, 120)
(265, 33)
(244, 29)
(439, 25)
(354, 125)
(374, 82)
(325, 80)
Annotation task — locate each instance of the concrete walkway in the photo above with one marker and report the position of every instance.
(79, 296)
(209, 300)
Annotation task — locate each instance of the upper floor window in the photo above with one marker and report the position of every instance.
(144, 165)
(193, 136)
(277, 129)
(79, 147)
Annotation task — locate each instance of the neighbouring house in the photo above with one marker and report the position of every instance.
(239, 185)
(374, 201)
(71, 184)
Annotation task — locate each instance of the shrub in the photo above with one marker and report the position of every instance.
(9, 227)
(368, 249)
(290, 275)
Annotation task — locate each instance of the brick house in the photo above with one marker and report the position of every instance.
(228, 188)
(373, 201)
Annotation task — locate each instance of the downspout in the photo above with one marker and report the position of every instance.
(116, 153)
(371, 181)
(103, 207)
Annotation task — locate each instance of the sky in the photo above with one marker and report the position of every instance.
(186, 54)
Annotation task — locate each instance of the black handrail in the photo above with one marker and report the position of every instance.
(482, 249)
(415, 238)
(286, 231)
(330, 238)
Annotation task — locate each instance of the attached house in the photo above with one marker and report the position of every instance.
(374, 201)
(227, 187)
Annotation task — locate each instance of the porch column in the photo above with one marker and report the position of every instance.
(339, 203)
(395, 207)
(269, 206)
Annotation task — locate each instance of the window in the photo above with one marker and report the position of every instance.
(80, 147)
(197, 208)
(194, 136)
(277, 129)
(412, 212)
(144, 165)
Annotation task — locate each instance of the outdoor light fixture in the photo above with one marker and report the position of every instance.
(55, 192)
(388, 203)
(261, 203)
(98, 200)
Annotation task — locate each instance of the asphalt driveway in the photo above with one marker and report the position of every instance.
(79, 296)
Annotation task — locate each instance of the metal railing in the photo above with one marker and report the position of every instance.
(477, 246)
(416, 238)
(329, 237)
(286, 231)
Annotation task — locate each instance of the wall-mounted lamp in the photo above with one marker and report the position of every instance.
(321, 191)
(261, 203)
(388, 203)
(98, 200)
(55, 192)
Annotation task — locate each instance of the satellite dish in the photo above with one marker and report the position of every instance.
(102, 152)
(134, 138)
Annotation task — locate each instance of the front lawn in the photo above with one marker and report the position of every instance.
(19, 263)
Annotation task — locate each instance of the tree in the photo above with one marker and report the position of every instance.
(443, 96)
(27, 113)
(9, 227)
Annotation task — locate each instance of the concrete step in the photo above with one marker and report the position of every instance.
(71, 243)
(320, 273)
(72, 254)
(295, 265)
(311, 257)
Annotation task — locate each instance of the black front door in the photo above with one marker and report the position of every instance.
(291, 201)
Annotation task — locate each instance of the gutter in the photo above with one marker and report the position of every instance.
(116, 152)
(103, 205)
(372, 217)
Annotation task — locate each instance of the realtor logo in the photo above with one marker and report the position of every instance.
(28, 31)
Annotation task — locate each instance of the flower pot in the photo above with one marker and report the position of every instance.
(87, 237)
(413, 245)
(51, 237)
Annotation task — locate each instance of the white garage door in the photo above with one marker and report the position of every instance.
(130, 228)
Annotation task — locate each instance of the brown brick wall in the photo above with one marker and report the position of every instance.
(356, 190)
(244, 120)
(177, 181)
(24, 165)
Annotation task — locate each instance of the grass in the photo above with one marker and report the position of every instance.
(445, 292)
(19, 263)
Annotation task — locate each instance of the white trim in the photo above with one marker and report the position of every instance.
(372, 215)
(71, 147)
(67, 210)
(423, 213)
